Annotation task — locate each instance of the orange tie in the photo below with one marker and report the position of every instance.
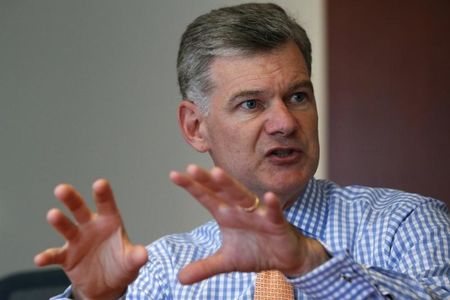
(272, 285)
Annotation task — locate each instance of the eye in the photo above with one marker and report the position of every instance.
(298, 97)
(249, 104)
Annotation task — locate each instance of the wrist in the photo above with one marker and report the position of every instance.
(315, 255)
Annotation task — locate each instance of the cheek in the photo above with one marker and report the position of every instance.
(309, 124)
(233, 147)
(233, 144)
(222, 139)
(230, 137)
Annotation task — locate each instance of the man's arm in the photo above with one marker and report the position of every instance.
(263, 240)
(252, 241)
(343, 278)
(98, 257)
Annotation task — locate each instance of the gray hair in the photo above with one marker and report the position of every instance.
(244, 29)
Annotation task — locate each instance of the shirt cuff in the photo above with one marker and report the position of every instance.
(67, 295)
(64, 296)
(338, 278)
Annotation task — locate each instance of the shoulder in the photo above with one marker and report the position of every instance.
(387, 223)
(387, 212)
(379, 199)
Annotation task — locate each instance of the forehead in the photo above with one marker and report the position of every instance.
(274, 70)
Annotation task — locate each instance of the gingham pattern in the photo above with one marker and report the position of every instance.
(385, 243)
(272, 285)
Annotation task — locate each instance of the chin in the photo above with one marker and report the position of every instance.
(288, 187)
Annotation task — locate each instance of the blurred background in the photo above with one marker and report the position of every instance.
(88, 89)
(389, 86)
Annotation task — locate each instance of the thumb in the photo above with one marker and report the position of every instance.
(202, 269)
(136, 258)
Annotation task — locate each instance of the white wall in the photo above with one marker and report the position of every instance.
(87, 90)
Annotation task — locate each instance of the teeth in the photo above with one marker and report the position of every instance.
(282, 153)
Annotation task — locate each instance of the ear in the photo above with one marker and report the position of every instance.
(191, 122)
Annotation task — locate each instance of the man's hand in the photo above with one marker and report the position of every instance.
(98, 257)
(252, 241)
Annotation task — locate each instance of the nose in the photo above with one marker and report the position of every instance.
(280, 120)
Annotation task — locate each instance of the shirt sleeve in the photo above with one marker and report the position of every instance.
(152, 282)
(417, 264)
(65, 295)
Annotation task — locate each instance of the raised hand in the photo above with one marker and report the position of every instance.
(98, 257)
(254, 238)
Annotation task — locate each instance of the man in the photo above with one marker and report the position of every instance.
(244, 74)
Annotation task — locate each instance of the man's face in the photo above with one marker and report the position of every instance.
(262, 122)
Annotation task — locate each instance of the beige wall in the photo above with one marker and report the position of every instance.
(88, 89)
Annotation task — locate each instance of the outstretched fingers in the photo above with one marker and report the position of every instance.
(50, 256)
(62, 224)
(104, 198)
(213, 187)
(232, 191)
(203, 177)
(74, 202)
(197, 190)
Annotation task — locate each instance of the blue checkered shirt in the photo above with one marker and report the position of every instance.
(385, 244)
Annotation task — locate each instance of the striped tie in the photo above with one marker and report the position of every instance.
(271, 285)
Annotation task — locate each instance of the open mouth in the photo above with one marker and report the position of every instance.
(281, 152)
(284, 154)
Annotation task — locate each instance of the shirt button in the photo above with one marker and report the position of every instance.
(346, 277)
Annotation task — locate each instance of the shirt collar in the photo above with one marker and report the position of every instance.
(309, 212)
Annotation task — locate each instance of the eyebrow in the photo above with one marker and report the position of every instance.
(246, 94)
(301, 84)
(257, 93)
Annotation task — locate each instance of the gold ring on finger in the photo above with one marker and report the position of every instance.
(254, 206)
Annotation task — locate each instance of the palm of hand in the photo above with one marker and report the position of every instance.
(254, 244)
(101, 248)
(97, 257)
(251, 242)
